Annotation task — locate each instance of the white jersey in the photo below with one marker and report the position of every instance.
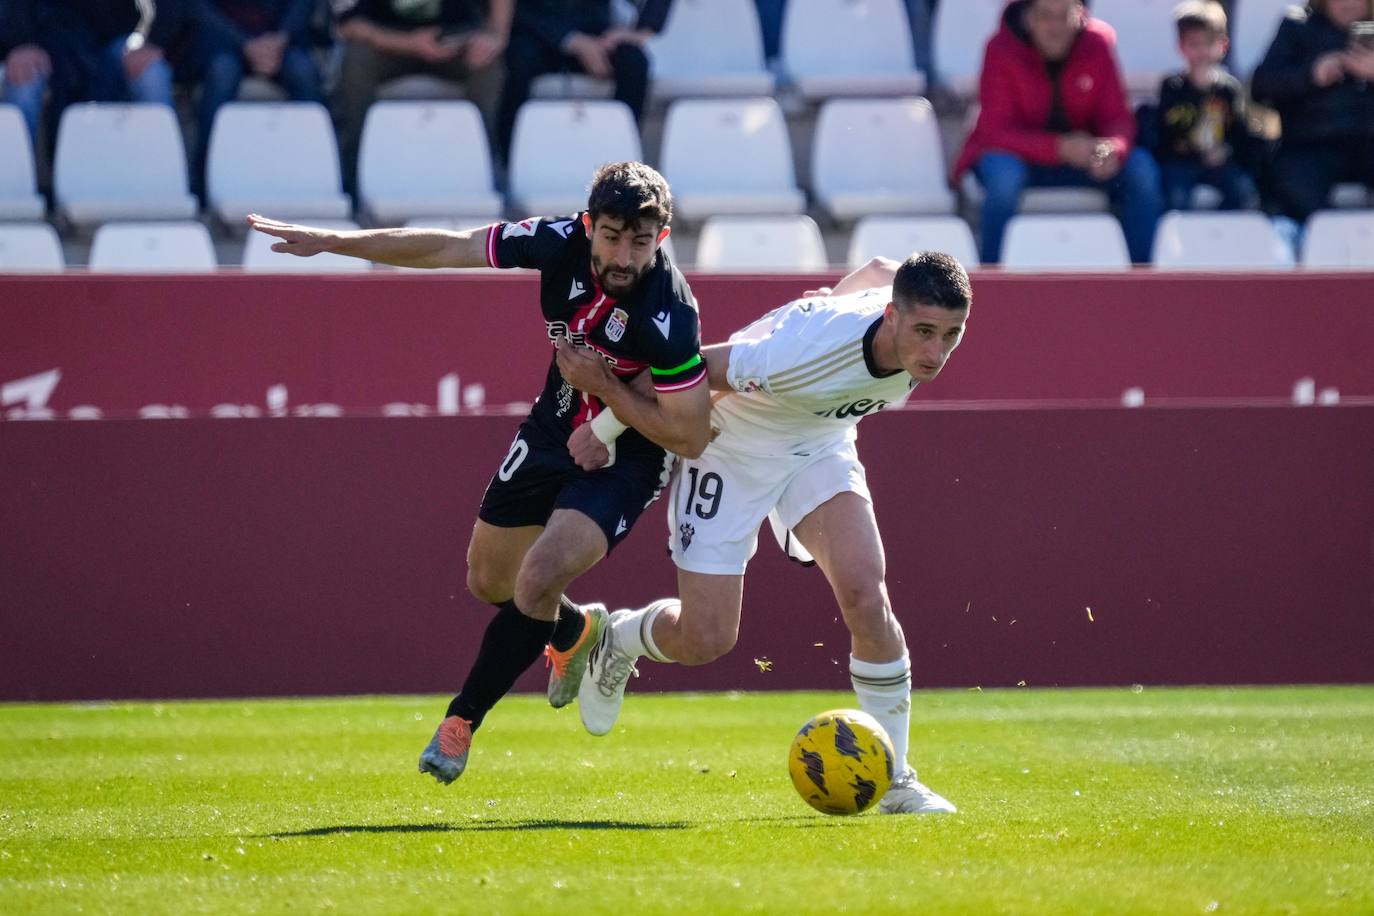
(804, 376)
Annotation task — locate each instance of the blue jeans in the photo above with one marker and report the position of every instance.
(1134, 193)
(154, 84)
(224, 71)
(28, 98)
(1180, 176)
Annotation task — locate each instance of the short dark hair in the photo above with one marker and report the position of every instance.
(1200, 16)
(631, 192)
(932, 278)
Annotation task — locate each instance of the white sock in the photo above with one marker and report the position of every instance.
(884, 690)
(634, 632)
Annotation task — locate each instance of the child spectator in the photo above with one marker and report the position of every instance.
(1202, 115)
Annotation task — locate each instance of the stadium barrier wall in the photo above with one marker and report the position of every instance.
(1047, 547)
(426, 343)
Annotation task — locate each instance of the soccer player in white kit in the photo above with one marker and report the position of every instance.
(799, 379)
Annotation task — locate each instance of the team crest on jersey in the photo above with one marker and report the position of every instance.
(524, 227)
(615, 325)
(685, 532)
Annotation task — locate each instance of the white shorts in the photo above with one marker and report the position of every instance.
(718, 501)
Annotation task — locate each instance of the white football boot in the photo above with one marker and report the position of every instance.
(602, 691)
(910, 796)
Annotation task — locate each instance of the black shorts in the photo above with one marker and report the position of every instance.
(538, 476)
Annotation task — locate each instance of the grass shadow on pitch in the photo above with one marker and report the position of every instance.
(480, 826)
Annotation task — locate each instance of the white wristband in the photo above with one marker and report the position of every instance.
(607, 427)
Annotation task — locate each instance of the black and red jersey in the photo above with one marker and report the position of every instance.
(654, 328)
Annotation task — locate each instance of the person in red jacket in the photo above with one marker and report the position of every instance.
(1054, 114)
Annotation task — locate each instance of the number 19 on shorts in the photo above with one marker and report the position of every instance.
(703, 495)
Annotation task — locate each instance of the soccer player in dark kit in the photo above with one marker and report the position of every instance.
(604, 284)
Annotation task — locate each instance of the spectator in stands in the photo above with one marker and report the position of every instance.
(26, 65)
(582, 36)
(918, 13)
(113, 51)
(265, 38)
(458, 40)
(1054, 114)
(1202, 115)
(1318, 74)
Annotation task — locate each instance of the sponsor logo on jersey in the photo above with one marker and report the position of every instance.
(577, 289)
(615, 325)
(685, 533)
(522, 228)
(748, 384)
(853, 408)
(563, 227)
(565, 399)
(663, 321)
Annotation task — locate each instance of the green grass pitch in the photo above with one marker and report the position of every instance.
(1071, 801)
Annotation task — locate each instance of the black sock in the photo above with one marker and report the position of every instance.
(510, 645)
(568, 628)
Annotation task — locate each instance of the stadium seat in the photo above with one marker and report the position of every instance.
(1043, 200)
(1253, 26)
(1339, 241)
(1240, 240)
(960, 35)
(116, 161)
(279, 159)
(1146, 40)
(18, 195)
(760, 244)
(898, 236)
(258, 256)
(874, 156)
(557, 146)
(571, 86)
(420, 87)
(850, 47)
(153, 247)
(30, 247)
(425, 159)
(695, 56)
(1080, 241)
(729, 156)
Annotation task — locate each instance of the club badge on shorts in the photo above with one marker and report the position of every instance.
(615, 325)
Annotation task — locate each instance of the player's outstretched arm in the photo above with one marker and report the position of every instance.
(398, 247)
(877, 272)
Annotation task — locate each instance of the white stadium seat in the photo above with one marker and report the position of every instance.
(1339, 241)
(118, 161)
(1146, 40)
(29, 247)
(420, 87)
(961, 31)
(760, 244)
(571, 86)
(729, 156)
(258, 256)
(874, 156)
(1084, 241)
(1240, 240)
(425, 159)
(1253, 26)
(274, 158)
(1043, 200)
(695, 56)
(898, 237)
(19, 198)
(152, 247)
(557, 146)
(850, 47)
